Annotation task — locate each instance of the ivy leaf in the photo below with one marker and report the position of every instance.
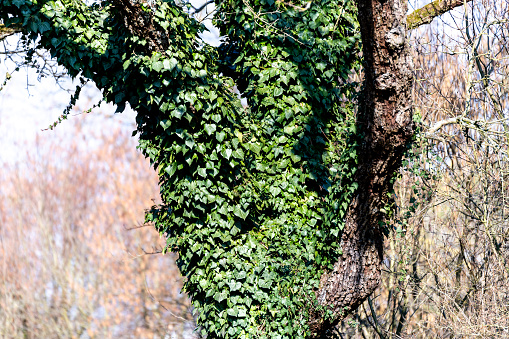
(238, 153)
(165, 123)
(204, 283)
(157, 66)
(44, 26)
(125, 65)
(90, 35)
(169, 64)
(220, 296)
(171, 169)
(274, 190)
(227, 153)
(289, 129)
(216, 117)
(234, 285)
(190, 143)
(202, 73)
(202, 172)
(220, 136)
(264, 283)
(233, 311)
(223, 210)
(210, 128)
(242, 312)
(256, 148)
(240, 213)
(278, 91)
(18, 3)
(119, 97)
(179, 112)
(34, 26)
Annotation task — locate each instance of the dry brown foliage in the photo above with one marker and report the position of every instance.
(70, 266)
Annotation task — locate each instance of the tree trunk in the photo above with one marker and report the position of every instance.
(386, 124)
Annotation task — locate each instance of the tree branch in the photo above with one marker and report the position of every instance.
(8, 31)
(442, 123)
(429, 12)
(141, 24)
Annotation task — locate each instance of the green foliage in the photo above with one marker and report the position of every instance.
(253, 198)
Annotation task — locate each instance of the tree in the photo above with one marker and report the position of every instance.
(274, 209)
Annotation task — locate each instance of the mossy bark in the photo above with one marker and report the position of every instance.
(427, 13)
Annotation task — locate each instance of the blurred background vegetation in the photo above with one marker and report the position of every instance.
(75, 262)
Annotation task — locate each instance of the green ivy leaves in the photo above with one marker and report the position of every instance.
(253, 197)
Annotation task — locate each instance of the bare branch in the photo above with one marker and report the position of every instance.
(443, 123)
(202, 7)
(429, 12)
(154, 251)
(137, 226)
(157, 301)
(8, 31)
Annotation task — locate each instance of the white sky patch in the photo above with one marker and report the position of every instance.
(212, 35)
(28, 106)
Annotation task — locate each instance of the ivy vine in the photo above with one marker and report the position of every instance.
(253, 197)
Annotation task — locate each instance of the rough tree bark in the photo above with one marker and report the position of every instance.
(386, 123)
(385, 119)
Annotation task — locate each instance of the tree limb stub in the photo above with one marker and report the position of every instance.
(8, 31)
(141, 23)
(429, 12)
